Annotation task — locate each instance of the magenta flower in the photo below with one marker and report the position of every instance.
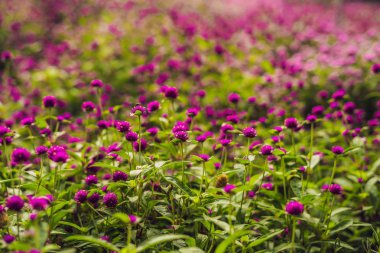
(291, 123)
(294, 208)
(249, 132)
(49, 101)
(119, 176)
(81, 196)
(96, 83)
(88, 106)
(171, 92)
(338, 150)
(181, 135)
(335, 189)
(15, 203)
(229, 188)
(266, 150)
(20, 156)
(91, 180)
(39, 203)
(110, 200)
(204, 157)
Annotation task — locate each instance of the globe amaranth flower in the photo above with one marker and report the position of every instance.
(20, 156)
(291, 123)
(225, 142)
(294, 208)
(335, 189)
(180, 126)
(267, 186)
(91, 180)
(122, 126)
(139, 110)
(376, 68)
(15, 203)
(229, 188)
(27, 121)
(132, 218)
(311, 118)
(9, 238)
(153, 106)
(171, 92)
(226, 128)
(119, 176)
(181, 135)
(192, 112)
(249, 132)
(204, 157)
(40, 150)
(136, 145)
(131, 136)
(152, 131)
(96, 83)
(4, 130)
(39, 203)
(234, 98)
(266, 150)
(251, 194)
(49, 101)
(94, 199)
(103, 124)
(58, 154)
(88, 106)
(110, 200)
(81, 196)
(337, 150)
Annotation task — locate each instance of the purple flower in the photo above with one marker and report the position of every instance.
(40, 150)
(291, 123)
(180, 126)
(311, 118)
(267, 186)
(338, 150)
(251, 194)
(39, 203)
(138, 110)
(294, 208)
(27, 121)
(225, 142)
(266, 150)
(15, 203)
(335, 189)
(49, 101)
(132, 218)
(9, 238)
(20, 155)
(217, 166)
(249, 132)
(110, 200)
(234, 98)
(57, 154)
(91, 179)
(192, 112)
(81, 196)
(229, 188)
(204, 157)
(96, 83)
(376, 68)
(131, 136)
(153, 106)
(4, 130)
(5, 55)
(181, 135)
(136, 145)
(119, 176)
(171, 92)
(94, 199)
(88, 106)
(152, 131)
(122, 126)
(103, 124)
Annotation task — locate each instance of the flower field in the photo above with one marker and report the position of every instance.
(189, 126)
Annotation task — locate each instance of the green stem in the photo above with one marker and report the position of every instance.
(284, 177)
(293, 143)
(18, 225)
(308, 169)
(139, 140)
(183, 163)
(333, 172)
(129, 236)
(293, 234)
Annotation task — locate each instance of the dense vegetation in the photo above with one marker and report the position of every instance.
(165, 126)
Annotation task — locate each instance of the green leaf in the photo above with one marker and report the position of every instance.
(174, 181)
(315, 159)
(122, 217)
(229, 240)
(223, 225)
(296, 185)
(162, 239)
(341, 226)
(84, 230)
(96, 241)
(264, 238)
